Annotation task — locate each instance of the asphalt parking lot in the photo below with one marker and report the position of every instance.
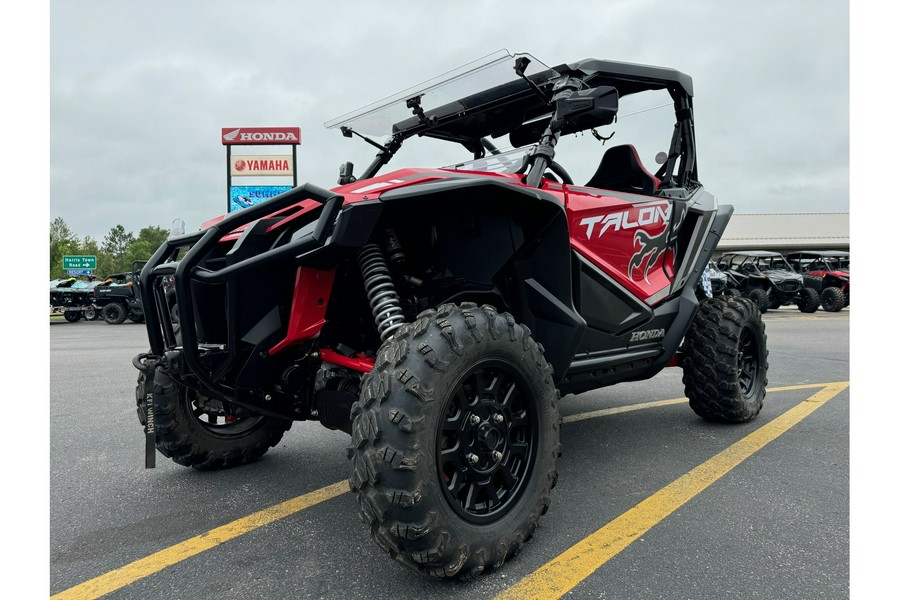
(652, 501)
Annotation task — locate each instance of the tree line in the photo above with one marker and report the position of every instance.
(115, 254)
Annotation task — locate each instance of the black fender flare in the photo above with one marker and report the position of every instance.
(537, 275)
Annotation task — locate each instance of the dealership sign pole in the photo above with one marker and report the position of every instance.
(258, 165)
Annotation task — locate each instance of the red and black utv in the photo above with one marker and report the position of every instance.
(438, 314)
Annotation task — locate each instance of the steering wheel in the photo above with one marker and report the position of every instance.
(554, 167)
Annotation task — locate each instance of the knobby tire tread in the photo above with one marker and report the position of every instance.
(392, 474)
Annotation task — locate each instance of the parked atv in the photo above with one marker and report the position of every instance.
(768, 280)
(119, 298)
(827, 272)
(437, 314)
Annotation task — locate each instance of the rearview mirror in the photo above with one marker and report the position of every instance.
(589, 108)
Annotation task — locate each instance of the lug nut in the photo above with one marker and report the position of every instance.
(498, 418)
(475, 420)
(473, 458)
(496, 455)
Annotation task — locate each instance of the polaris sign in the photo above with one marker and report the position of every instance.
(260, 135)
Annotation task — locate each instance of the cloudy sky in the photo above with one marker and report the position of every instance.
(139, 91)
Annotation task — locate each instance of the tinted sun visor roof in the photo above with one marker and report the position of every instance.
(472, 87)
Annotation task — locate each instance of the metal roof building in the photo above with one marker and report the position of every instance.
(787, 232)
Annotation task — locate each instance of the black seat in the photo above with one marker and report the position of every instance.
(621, 170)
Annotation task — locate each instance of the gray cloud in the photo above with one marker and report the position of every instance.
(139, 91)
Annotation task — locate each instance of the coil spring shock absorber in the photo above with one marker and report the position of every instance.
(380, 290)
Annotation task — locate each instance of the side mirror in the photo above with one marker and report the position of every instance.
(346, 174)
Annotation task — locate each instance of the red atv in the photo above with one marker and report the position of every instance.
(827, 272)
(438, 314)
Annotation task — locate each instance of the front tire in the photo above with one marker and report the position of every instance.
(808, 300)
(725, 361)
(760, 297)
(196, 431)
(455, 441)
(72, 316)
(833, 299)
(114, 313)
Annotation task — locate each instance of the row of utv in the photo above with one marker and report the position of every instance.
(807, 279)
(114, 299)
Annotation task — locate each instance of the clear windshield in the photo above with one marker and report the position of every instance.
(378, 119)
(505, 162)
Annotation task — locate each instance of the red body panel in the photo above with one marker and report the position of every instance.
(822, 273)
(623, 235)
(312, 289)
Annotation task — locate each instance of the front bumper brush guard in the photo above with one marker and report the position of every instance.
(158, 319)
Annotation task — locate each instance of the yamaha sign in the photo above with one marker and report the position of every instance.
(260, 135)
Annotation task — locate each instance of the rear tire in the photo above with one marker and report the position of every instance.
(194, 431)
(725, 361)
(808, 300)
(114, 313)
(833, 299)
(455, 441)
(72, 316)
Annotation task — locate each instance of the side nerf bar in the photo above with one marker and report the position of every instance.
(185, 271)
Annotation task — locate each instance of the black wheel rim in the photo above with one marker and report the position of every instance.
(487, 442)
(748, 361)
(212, 415)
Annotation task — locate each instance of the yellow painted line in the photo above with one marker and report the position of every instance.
(154, 563)
(657, 403)
(567, 570)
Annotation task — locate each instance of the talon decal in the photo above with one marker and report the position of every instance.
(652, 249)
(643, 215)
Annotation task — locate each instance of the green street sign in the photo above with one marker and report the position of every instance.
(79, 262)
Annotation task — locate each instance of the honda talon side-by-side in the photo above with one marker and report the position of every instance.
(436, 315)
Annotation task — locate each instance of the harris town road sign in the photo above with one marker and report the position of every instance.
(79, 262)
